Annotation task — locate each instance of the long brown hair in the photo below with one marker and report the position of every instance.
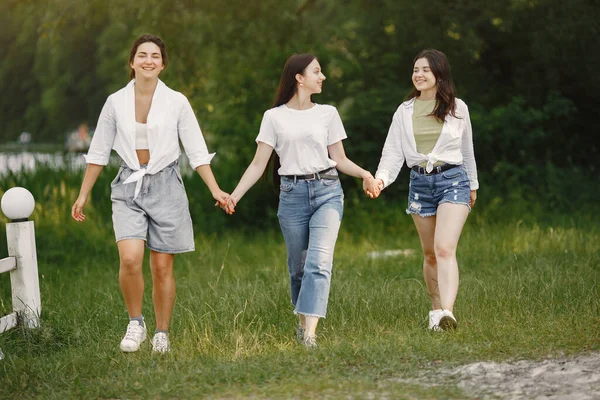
(446, 94)
(145, 38)
(294, 65)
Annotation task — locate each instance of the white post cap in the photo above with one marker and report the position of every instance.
(17, 203)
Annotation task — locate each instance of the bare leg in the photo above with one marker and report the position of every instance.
(302, 320)
(310, 325)
(450, 221)
(163, 288)
(426, 228)
(131, 280)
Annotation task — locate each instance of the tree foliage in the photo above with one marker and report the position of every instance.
(524, 67)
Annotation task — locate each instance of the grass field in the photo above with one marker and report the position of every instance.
(530, 289)
(527, 291)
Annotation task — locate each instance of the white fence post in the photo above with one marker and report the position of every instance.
(18, 204)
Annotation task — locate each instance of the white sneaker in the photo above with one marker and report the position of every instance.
(299, 333)
(310, 342)
(447, 322)
(434, 319)
(134, 336)
(160, 343)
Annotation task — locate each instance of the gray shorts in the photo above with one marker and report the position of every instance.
(159, 215)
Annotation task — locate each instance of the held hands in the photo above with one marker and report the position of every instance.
(221, 197)
(228, 205)
(372, 187)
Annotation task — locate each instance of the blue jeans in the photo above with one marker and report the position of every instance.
(310, 213)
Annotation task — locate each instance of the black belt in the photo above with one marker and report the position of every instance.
(317, 175)
(435, 170)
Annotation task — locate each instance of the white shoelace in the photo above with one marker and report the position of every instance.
(132, 333)
(310, 341)
(161, 342)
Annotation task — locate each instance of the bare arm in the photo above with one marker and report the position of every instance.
(91, 175)
(252, 174)
(345, 165)
(207, 176)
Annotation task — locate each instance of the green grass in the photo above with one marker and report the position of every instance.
(527, 291)
(530, 289)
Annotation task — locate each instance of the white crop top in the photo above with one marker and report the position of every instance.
(141, 136)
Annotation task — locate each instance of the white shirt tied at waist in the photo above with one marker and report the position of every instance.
(454, 146)
(431, 160)
(136, 177)
(170, 119)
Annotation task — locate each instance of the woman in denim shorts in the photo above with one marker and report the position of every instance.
(307, 138)
(431, 131)
(144, 123)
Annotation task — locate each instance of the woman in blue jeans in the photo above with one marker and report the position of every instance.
(307, 138)
(431, 131)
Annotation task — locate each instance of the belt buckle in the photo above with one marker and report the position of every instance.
(313, 178)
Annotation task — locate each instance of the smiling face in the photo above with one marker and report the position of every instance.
(423, 78)
(147, 62)
(312, 78)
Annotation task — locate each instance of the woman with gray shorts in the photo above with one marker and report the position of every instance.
(143, 123)
(431, 131)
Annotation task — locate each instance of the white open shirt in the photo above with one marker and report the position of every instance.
(454, 146)
(171, 118)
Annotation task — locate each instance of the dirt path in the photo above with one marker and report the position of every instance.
(572, 378)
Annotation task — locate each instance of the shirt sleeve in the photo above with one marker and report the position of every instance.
(335, 131)
(467, 150)
(392, 156)
(104, 136)
(267, 133)
(191, 136)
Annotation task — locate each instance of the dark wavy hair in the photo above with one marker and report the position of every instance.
(145, 38)
(446, 94)
(294, 65)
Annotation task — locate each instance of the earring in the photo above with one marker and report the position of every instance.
(302, 84)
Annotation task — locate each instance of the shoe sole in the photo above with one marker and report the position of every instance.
(447, 323)
(161, 351)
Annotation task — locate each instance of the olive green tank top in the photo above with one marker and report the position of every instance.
(426, 127)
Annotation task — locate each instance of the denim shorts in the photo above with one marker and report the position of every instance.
(159, 215)
(427, 192)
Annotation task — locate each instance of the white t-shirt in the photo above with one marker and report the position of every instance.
(300, 137)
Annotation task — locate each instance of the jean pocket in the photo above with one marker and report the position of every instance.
(452, 173)
(330, 182)
(178, 177)
(117, 178)
(286, 186)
